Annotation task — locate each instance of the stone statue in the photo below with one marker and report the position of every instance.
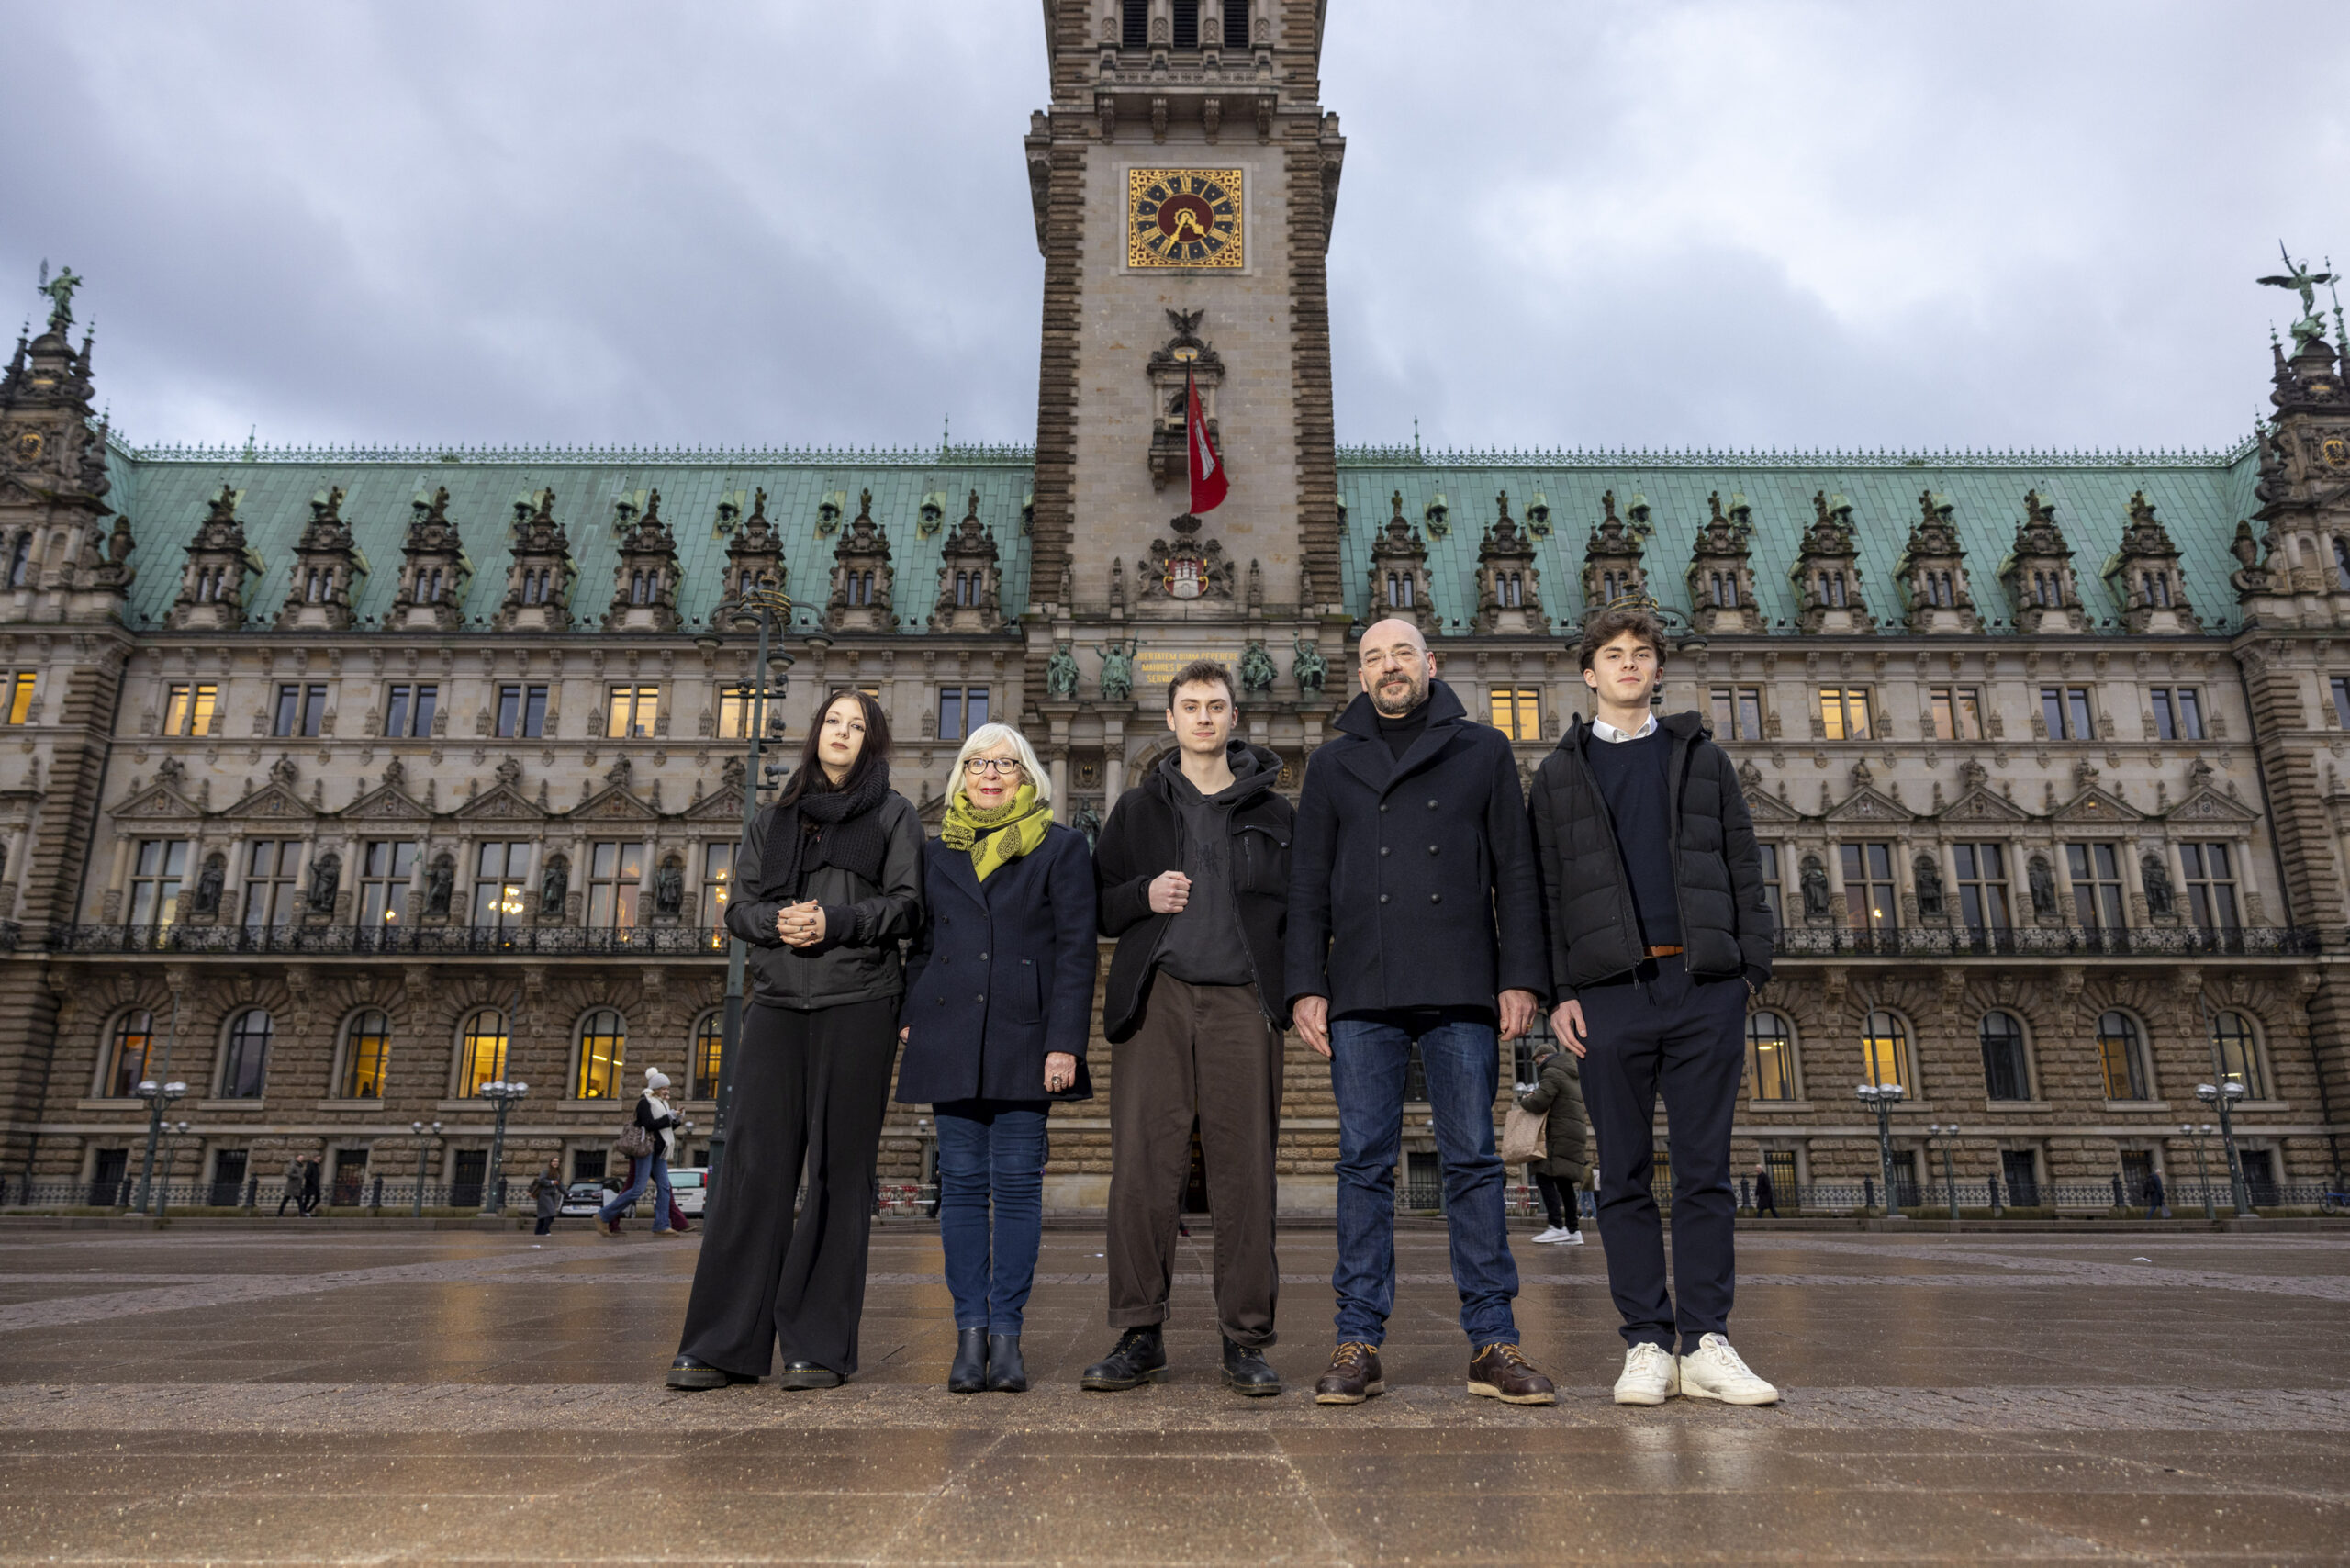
(440, 882)
(208, 883)
(1973, 776)
(1309, 668)
(509, 772)
(553, 887)
(172, 773)
(1118, 678)
(61, 288)
(1060, 674)
(326, 876)
(396, 774)
(2044, 886)
(1257, 672)
(1815, 889)
(2157, 879)
(1930, 887)
(669, 888)
(1088, 822)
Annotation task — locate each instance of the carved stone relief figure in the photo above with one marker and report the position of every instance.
(1929, 887)
(2043, 887)
(1309, 670)
(2159, 901)
(208, 883)
(326, 876)
(439, 884)
(1060, 674)
(554, 887)
(669, 889)
(1257, 672)
(1815, 889)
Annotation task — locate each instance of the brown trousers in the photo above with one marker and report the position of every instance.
(1204, 1051)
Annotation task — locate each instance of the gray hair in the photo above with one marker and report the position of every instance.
(987, 737)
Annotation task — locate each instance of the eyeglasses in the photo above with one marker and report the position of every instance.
(995, 765)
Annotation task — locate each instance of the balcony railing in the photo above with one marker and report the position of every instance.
(2044, 941)
(555, 940)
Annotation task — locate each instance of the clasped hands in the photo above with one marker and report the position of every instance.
(800, 925)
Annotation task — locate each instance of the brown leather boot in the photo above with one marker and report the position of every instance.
(1499, 1372)
(1353, 1377)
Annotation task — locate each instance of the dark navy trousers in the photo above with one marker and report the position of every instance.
(1663, 1031)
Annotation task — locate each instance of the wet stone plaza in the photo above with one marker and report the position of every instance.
(327, 1393)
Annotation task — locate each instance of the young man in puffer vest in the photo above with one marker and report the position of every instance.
(1659, 935)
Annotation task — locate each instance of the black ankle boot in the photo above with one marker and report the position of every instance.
(1005, 1374)
(970, 1372)
(1140, 1357)
(1245, 1371)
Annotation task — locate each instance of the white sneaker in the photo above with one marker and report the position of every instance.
(1570, 1238)
(1651, 1376)
(1553, 1234)
(1716, 1372)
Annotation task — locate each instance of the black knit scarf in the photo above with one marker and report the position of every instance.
(832, 827)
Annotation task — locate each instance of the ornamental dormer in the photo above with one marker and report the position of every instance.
(1184, 360)
(1611, 557)
(2038, 573)
(1399, 573)
(434, 569)
(1827, 572)
(1722, 569)
(754, 556)
(1933, 571)
(212, 584)
(970, 583)
(1509, 584)
(2145, 577)
(327, 564)
(863, 579)
(644, 578)
(539, 579)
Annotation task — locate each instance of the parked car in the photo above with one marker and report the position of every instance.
(690, 1186)
(582, 1199)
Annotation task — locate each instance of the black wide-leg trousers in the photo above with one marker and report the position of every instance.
(810, 1090)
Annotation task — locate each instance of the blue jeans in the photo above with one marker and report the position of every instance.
(990, 1149)
(1368, 1057)
(655, 1170)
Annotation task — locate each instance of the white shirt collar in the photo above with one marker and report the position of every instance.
(1608, 731)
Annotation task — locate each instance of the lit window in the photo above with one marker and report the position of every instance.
(134, 1041)
(603, 1053)
(501, 873)
(1769, 1056)
(1518, 712)
(2239, 1060)
(710, 1043)
(367, 1042)
(1844, 712)
(1885, 1051)
(1958, 714)
(481, 1051)
(632, 712)
(189, 706)
(717, 871)
(16, 696)
(2120, 1058)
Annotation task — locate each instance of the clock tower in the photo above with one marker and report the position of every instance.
(1183, 181)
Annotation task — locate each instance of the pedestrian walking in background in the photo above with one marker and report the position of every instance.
(1659, 935)
(547, 1191)
(651, 1127)
(1556, 1093)
(293, 1191)
(826, 885)
(2157, 1201)
(1415, 918)
(999, 1005)
(1191, 872)
(310, 1187)
(1765, 1196)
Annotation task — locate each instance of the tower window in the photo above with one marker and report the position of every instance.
(1187, 24)
(1235, 24)
(1136, 28)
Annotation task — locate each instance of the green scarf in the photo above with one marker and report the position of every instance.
(995, 839)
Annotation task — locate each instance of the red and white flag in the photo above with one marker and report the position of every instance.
(1207, 468)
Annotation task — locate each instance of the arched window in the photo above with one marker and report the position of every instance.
(2121, 1054)
(603, 1053)
(366, 1045)
(132, 1043)
(20, 561)
(1885, 1051)
(2238, 1052)
(2003, 1070)
(481, 1051)
(1769, 1056)
(244, 1066)
(710, 1042)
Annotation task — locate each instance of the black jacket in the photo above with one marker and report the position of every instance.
(1716, 869)
(857, 960)
(1411, 884)
(1001, 975)
(1143, 838)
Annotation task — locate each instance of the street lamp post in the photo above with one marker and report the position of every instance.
(1883, 1098)
(503, 1095)
(160, 1098)
(1948, 1133)
(769, 602)
(2202, 1172)
(2225, 1095)
(171, 1155)
(416, 1210)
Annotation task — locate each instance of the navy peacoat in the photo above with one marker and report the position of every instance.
(1001, 975)
(1413, 884)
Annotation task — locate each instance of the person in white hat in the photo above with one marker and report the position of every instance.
(653, 1115)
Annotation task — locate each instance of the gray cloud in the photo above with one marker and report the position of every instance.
(1562, 224)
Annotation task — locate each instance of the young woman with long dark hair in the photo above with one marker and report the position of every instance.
(827, 882)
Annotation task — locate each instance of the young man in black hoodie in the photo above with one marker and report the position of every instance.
(1193, 880)
(1659, 933)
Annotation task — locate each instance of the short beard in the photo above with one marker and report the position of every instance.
(1417, 694)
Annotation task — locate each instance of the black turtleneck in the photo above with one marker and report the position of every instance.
(1399, 734)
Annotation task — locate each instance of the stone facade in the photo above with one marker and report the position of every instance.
(2046, 751)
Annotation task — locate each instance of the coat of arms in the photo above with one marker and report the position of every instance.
(1186, 569)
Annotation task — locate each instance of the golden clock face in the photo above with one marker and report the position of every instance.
(2337, 450)
(27, 447)
(1184, 217)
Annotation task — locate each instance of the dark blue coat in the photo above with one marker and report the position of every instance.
(1413, 884)
(1001, 975)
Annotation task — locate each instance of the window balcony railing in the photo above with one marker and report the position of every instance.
(553, 940)
(2044, 941)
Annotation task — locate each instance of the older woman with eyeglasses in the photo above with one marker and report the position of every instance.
(999, 1003)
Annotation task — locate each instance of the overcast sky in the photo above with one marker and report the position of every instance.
(1737, 225)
